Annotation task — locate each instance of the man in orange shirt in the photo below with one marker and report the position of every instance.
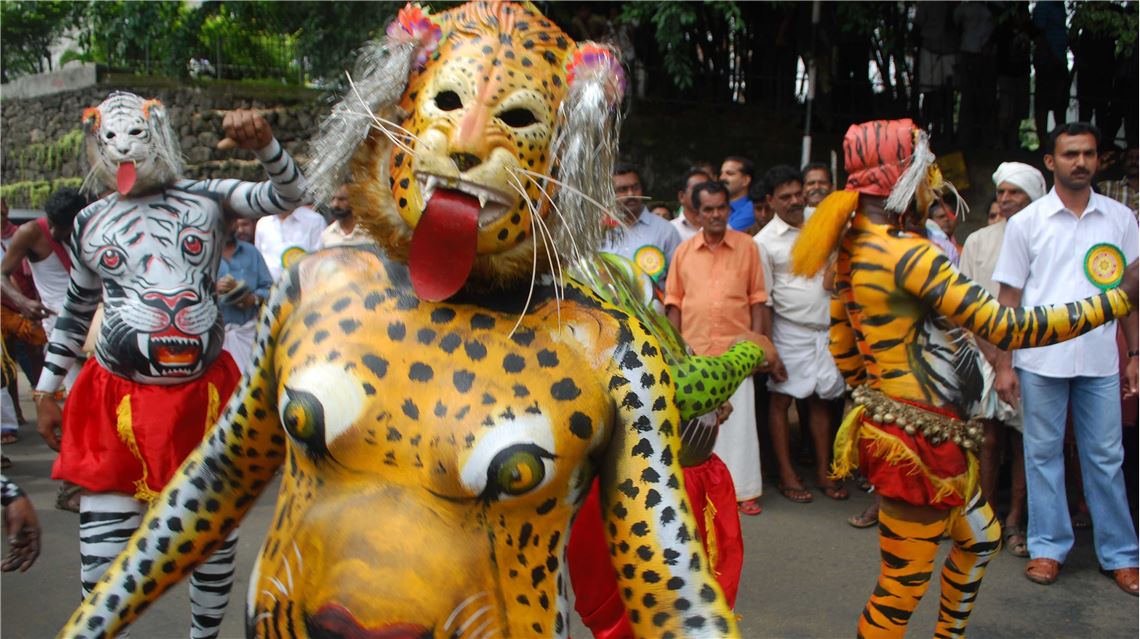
(714, 293)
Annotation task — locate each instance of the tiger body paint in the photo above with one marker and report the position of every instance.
(901, 319)
(440, 404)
(149, 252)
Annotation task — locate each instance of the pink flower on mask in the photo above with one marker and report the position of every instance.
(412, 24)
(590, 58)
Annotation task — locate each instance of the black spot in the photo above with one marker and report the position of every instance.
(341, 304)
(378, 365)
(650, 476)
(410, 409)
(523, 337)
(397, 330)
(645, 553)
(513, 363)
(631, 360)
(546, 507)
(640, 529)
(320, 336)
(481, 321)
(371, 302)
(565, 390)
(420, 372)
(425, 336)
(547, 358)
(349, 326)
(442, 315)
(652, 498)
(450, 342)
(707, 593)
(521, 390)
(475, 350)
(581, 425)
(537, 576)
(462, 380)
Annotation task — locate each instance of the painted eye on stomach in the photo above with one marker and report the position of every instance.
(517, 470)
(112, 259)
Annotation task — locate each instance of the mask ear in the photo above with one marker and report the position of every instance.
(154, 109)
(91, 120)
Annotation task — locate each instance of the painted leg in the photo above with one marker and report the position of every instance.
(106, 523)
(977, 538)
(210, 587)
(907, 549)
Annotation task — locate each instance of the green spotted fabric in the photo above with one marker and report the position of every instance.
(703, 383)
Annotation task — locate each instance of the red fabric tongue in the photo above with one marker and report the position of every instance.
(126, 177)
(443, 245)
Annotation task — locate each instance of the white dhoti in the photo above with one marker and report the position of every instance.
(239, 343)
(738, 445)
(807, 359)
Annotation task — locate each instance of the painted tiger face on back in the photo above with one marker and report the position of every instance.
(130, 145)
(156, 261)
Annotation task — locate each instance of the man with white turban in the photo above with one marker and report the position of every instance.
(1017, 185)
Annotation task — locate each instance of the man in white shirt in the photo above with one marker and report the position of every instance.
(1017, 185)
(688, 222)
(343, 229)
(1043, 260)
(800, 318)
(284, 239)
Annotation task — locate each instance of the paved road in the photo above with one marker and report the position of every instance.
(807, 574)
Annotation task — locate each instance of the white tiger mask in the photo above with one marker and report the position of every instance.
(130, 145)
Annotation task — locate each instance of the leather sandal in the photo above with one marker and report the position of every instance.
(1127, 580)
(1042, 570)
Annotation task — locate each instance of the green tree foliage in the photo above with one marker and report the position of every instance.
(1116, 21)
(28, 31)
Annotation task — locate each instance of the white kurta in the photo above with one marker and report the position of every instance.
(739, 446)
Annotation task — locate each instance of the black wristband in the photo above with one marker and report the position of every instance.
(1132, 354)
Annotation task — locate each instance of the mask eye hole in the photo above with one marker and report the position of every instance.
(518, 118)
(135, 131)
(448, 100)
(110, 135)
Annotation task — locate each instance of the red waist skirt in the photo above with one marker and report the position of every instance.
(911, 469)
(124, 437)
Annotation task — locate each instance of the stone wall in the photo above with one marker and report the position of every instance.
(42, 141)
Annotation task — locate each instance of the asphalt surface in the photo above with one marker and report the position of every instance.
(806, 574)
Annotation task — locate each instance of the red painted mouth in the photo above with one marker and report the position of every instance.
(334, 621)
(173, 349)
